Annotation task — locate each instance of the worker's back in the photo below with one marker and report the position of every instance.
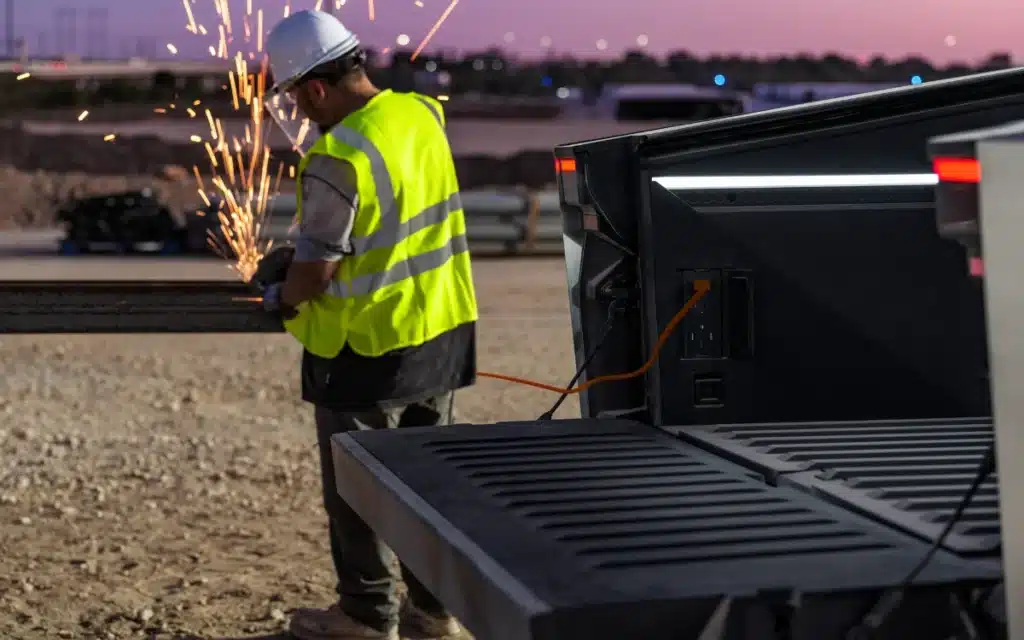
(408, 280)
(417, 157)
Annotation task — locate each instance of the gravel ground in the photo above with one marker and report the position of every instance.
(167, 487)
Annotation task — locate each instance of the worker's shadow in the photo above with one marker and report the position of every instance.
(276, 636)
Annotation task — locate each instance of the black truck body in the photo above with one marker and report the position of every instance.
(802, 439)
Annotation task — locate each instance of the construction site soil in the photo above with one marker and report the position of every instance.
(167, 487)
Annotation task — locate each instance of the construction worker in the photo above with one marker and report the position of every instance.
(379, 292)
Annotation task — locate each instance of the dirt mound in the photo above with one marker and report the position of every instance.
(150, 156)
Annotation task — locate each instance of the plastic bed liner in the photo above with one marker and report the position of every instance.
(603, 528)
(909, 473)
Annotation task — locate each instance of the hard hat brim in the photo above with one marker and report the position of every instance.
(339, 51)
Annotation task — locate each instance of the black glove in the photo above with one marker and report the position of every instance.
(272, 302)
(270, 274)
(273, 267)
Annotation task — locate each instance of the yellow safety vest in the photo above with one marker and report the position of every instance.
(409, 278)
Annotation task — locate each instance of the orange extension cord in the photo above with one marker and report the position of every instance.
(701, 287)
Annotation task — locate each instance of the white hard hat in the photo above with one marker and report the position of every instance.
(305, 40)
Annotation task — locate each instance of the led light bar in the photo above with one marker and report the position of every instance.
(806, 181)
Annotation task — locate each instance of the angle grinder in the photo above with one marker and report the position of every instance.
(272, 268)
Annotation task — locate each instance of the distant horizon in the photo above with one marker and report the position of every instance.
(964, 31)
(608, 57)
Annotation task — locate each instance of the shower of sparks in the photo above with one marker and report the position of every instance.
(192, 26)
(433, 30)
(24, 76)
(242, 179)
(240, 176)
(83, 116)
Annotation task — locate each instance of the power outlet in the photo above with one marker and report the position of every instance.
(701, 329)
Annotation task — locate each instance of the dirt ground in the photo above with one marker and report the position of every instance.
(167, 487)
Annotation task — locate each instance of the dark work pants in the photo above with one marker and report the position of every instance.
(368, 573)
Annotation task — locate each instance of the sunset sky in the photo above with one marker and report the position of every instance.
(860, 27)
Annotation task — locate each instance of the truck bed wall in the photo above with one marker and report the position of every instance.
(858, 309)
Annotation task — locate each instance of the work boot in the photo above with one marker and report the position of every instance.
(333, 624)
(420, 625)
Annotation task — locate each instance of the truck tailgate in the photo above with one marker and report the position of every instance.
(605, 528)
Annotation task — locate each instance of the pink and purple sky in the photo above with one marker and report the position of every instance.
(856, 27)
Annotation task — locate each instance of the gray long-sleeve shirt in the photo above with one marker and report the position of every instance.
(330, 199)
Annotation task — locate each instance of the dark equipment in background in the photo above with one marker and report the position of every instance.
(127, 222)
(137, 222)
(203, 228)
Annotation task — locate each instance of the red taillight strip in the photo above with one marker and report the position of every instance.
(957, 170)
(565, 165)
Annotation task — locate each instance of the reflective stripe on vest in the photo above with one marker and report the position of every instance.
(378, 169)
(433, 110)
(392, 228)
(413, 266)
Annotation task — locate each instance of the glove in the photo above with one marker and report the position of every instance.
(272, 268)
(272, 302)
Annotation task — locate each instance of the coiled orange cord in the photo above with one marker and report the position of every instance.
(701, 287)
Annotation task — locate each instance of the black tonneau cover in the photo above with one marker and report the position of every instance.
(910, 473)
(836, 313)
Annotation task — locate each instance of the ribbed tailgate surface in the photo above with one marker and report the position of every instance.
(911, 473)
(559, 520)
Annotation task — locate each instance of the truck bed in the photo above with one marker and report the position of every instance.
(910, 474)
(603, 529)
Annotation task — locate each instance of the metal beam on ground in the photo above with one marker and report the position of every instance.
(131, 307)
